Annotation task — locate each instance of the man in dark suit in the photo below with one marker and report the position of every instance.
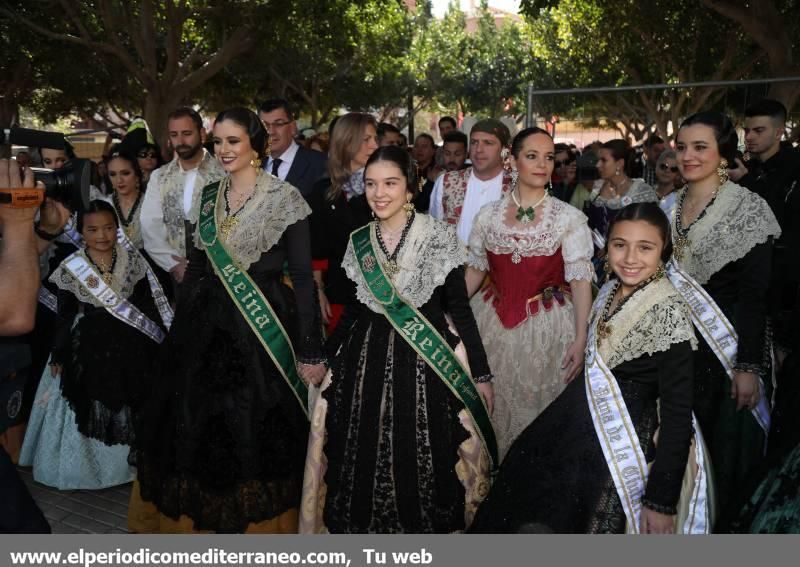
(288, 160)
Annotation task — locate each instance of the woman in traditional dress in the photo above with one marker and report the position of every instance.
(723, 239)
(225, 437)
(613, 191)
(533, 316)
(395, 448)
(128, 186)
(561, 473)
(111, 318)
(339, 208)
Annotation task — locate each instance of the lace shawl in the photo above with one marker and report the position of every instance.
(560, 225)
(737, 221)
(654, 319)
(639, 192)
(274, 206)
(431, 251)
(129, 269)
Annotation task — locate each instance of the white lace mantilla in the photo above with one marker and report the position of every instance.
(274, 206)
(129, 269)
(560, 225)
(737, 221)
(654, 319)
(639, 192)
(431, 251)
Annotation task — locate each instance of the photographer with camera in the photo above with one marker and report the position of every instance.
(19, 283)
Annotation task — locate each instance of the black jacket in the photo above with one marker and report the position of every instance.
(308, 167)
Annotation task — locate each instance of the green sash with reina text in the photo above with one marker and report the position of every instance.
(248, 298)
(423, 338)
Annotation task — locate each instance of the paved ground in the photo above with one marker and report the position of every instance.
(81, 511)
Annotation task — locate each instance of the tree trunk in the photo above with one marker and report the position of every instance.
(156, 109)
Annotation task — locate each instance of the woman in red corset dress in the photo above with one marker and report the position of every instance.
(533, 315)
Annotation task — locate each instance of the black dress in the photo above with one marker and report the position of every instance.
(108, 366)
(331, 225)
(555, 479)
(394, 435)
(225, 436)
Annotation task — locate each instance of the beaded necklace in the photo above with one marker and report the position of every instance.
(682, 241)
(126, 221)
(391, 259)
(106, 272)
(231, 219)
(603, 328)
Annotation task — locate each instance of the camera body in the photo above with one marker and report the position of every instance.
(68, 185)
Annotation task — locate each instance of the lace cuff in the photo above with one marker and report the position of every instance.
(580, 270)
(483, 379)
(479, 262)
(660, 508)
(756, 369)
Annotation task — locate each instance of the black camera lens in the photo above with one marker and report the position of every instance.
(68, 185)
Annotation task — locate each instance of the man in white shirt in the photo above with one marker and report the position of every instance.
(288, 160)
(173, 193)
(459, 195)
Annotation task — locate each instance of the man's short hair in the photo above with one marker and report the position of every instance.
(428, 136)
(653, 140)
(187, 112)
(561, 148)
(456, 136)
(275, 104)
(449, 119)
(384, 128)
(767, 107)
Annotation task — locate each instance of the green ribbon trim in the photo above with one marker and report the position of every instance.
(418, 332)
(248, 298)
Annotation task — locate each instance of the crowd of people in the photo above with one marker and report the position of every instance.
(501, 334)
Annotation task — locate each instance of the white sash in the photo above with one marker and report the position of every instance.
(620, 443)
(122, 309)
(48, 299)
(717, 331)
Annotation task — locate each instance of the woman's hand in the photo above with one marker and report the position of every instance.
(745, 390)
(652, 522)
(487, 391)
(312, 374)
(324, 306)
(573, 359)
(55, 370)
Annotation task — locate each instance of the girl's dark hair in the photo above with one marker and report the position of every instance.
(519, 139)
(650, 213)
(252, 124)
(620, 149)
(97, 206)
(134, 163)
(724, 132)
(401, 159)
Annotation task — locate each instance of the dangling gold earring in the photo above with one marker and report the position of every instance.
(722, 171)
(661, 272)
(268, 150)
(256, 162)
(408, 207)
(607, 269)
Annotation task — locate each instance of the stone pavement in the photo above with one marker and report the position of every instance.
(81, 511)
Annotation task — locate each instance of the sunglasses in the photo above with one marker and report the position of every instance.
(665, 167)
(563, 163)
(144, 155)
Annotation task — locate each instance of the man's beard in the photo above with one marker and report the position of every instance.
(187, 152)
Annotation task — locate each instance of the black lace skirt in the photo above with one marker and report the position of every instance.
(223, 439)
(554, 478)
(393, 435)
(110, 371)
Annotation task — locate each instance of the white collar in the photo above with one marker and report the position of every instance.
(288, 155)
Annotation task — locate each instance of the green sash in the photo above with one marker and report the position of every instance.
(423, 337)
(251, 303)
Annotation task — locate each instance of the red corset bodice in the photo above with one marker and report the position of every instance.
(517, 290)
